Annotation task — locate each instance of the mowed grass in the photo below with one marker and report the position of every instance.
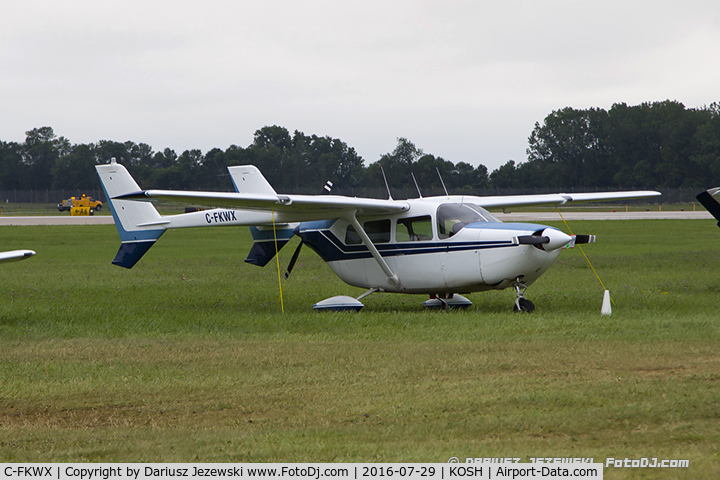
(188, 357)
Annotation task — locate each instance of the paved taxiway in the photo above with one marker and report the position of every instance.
(505, 217)
(56, 220)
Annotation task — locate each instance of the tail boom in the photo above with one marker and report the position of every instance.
(139, 224)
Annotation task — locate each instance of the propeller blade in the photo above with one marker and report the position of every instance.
(584, 239)
(294, 258)
(326, 190)
(532, 240)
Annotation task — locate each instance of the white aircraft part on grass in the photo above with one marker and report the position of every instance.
(15, 255)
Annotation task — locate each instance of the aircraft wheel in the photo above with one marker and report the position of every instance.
(523, 305)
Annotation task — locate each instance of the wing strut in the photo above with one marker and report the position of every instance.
(394, 280)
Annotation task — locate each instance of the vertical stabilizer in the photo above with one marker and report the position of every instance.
(248, 179)
(268, 241)
(138, 223)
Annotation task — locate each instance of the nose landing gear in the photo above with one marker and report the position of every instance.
(522, 304)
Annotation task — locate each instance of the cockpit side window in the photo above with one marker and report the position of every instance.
(452, 217)
(351, 236)
(414, 229)
(377, 230)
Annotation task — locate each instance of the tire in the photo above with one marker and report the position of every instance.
(523, 305)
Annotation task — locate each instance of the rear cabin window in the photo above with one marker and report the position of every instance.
(452, 217)
(414, 229)
(377, 230)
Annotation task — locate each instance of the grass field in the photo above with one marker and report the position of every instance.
(187, 357)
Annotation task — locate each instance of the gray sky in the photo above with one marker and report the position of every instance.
(464, 80)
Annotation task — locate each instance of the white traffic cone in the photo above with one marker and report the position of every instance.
(606, 307)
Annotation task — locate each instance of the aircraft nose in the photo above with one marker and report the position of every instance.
(557, 239)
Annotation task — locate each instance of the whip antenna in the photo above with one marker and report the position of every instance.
(416, 185)
(386, 184)
(443, 183)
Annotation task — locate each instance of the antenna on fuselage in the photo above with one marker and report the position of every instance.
(443, 183)
(386, 184)
(416, 185)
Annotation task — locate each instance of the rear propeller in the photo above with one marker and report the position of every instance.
(326, 190)
(293, 259)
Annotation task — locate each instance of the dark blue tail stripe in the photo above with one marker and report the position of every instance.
(131, 252)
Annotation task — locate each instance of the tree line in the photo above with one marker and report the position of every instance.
(652, 145)
(292, 163)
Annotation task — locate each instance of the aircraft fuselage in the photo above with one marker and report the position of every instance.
(427, 256)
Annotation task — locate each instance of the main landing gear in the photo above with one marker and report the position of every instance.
(343, 303)
(446, 301)
(522, 304)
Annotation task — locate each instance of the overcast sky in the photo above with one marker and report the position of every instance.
(464, 80)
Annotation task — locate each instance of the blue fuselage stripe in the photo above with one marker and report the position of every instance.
(330, 248)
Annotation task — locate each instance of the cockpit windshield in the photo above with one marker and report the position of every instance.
(452, 217)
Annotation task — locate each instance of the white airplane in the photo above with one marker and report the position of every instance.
(441, 246)
(15, 255)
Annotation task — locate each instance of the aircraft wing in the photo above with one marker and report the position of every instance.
(15, 255)
(560, 198)
(330, 204)
(298, 204)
